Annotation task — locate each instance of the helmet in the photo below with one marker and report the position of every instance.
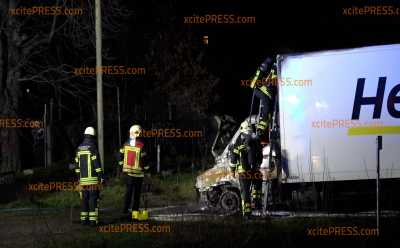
(135, 131)
(90, 131)
(245, 127)
(266, 65)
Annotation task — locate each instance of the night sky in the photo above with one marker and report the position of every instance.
(235, 50)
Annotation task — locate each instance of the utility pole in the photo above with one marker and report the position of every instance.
(99, 78)
(379, 148)
(158, 159)
(49, 136)
(45, 135)
(119, 127)
(119, 118)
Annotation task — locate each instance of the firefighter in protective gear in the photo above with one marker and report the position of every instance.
(132, 160)
(245, 158)
(266, 93)
(88, 168)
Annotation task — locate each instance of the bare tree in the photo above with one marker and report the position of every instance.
(181, 76)
(44, 50)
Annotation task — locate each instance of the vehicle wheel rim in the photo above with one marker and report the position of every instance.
(230, 202)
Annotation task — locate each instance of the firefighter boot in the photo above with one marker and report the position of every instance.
(143, 215)
(135, 215)
(84, 218)
(93, 218)
(256, 196)
(246, 209)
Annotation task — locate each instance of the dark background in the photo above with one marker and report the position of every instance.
(236, 50)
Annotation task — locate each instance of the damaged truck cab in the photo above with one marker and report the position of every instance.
(218, 190)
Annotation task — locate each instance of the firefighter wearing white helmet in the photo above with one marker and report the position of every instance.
(132, 160)
(245, 159)
(90, 131)
(88, 168)
(135, 131)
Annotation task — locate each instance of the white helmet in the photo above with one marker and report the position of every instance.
(135, 131)
(245, 127)
(90, 131)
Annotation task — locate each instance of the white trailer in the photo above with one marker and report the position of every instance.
(332, 105)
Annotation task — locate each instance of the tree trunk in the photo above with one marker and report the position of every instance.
(9, 87)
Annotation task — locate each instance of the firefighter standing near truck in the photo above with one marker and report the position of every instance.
(88, 168)
(245, 158)
(132, 160)
(265, 93)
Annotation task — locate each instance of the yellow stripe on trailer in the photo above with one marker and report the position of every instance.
(353, 131)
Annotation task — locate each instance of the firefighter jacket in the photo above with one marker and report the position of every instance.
(87, 161)
(132, 158)
(245, 154)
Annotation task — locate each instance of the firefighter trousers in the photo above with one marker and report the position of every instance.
(90, 211)
(245, 183)
(132, 194)
(265, 102)
(265, 107)
(248, 179)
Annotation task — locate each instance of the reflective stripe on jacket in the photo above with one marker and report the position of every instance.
(131, 159)
(88, 163)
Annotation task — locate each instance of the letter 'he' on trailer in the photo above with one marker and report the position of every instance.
(360, 100)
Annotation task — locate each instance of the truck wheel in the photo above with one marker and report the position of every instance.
(230, 202)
